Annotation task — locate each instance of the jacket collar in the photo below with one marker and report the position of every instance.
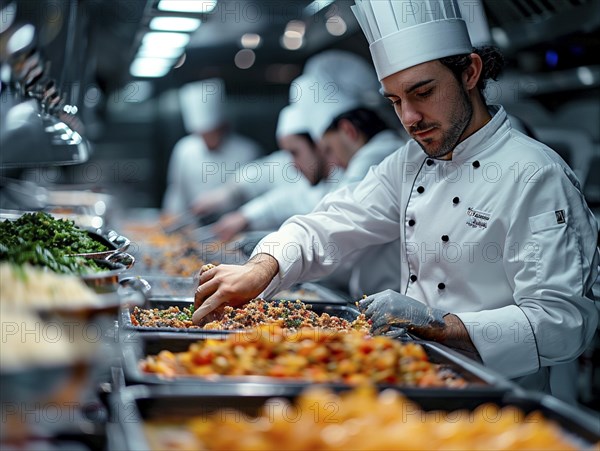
(484, 137)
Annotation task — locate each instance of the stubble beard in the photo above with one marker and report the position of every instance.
(450, 138)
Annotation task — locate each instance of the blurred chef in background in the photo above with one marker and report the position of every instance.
(334, 83)
(252, 179)
(523, 309)
(210, 153)
(316, 178)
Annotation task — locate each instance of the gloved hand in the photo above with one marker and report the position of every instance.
(389, 308)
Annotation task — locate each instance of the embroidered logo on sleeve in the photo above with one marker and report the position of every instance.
(560, 216)
(477, 219)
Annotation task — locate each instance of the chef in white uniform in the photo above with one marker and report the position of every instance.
(211, 153)
(499, 248)
(333, 82)
(251, 180)
(310, 178)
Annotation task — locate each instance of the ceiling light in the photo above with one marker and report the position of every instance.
(149, 67)
(585, 75)
(187, 6)
(250, 40)
(159, 52)
(296, 25)
(336, 26)
(174, 24)
(244, 59)
(164, 39)
(292, 40)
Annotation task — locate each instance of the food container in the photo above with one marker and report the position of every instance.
(133, 406)
(112, 240)
(173, 288)
(312, 293)
(137, 346)
(107, 281)
(341, 311)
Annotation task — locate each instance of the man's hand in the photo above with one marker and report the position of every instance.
(233, 284)
(230, 225)
(388, 308)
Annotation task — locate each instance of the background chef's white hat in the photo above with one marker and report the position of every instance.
(292, 121)
(404, 33)
(334, 82)
(202, 105)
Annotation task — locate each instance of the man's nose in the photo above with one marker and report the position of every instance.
(409, 115)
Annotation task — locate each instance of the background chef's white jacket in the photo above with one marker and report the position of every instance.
(263, 174)
(376, 268)
(194, 169)
(256, 178)
(296, 198)
(500, 236)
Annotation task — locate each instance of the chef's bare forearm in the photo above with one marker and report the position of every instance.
(454, 335)
(266, 264)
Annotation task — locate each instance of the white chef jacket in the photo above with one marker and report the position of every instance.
(272, 209)
(298, 197)
(194, 169)
(264, 174)
(373, 152)
(376, 268)
(500, 236)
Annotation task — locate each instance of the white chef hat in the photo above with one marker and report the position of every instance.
(292, 121)
(202, 105)
(474, 16)
(334, 82)
(404, 33)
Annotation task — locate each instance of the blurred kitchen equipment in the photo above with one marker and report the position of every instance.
(37, 125)
(26, 194)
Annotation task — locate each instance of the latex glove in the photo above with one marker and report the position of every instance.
(391, 309)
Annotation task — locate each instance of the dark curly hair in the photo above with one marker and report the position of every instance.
(365, 120)
(493, 63)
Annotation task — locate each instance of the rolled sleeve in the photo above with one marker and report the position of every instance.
(504, 339)
(288, 255)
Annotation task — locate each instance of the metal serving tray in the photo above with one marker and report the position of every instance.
(136, 346)
(341, 311)
(133, 405)
(173, 288)
(312, 293)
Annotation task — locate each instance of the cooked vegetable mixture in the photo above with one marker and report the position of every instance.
(170, 317)
(41, 240)
(287, 314)
(313, 354)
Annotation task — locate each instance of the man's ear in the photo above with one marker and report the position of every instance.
(471, 74)
(348, 128)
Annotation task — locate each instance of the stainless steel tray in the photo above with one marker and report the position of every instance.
(136, 346)
(182, 289)
(133, 405)
(342, 311)
(312, 293)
